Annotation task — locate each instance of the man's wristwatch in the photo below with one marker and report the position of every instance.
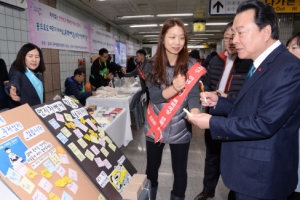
(219, 94)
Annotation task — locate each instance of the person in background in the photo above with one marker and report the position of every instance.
(102, 71)
(293, 45)
(225, 75)
(74, 86)
(195, 54)
(139, 70)
(205, 63)
(3, 82)
(260, 149)
(26, 83)
(131, 64)
(166, 76)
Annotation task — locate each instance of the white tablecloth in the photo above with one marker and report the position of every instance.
(115, 102)
(119, 129)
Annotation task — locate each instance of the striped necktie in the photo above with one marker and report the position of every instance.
(251, 72)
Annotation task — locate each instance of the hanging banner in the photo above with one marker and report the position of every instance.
(136, 47)
(101, 39)
(50, 28)
(129, 48)
(120, 54)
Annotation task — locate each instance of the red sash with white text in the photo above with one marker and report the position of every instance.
(141, 73)
(160, 122)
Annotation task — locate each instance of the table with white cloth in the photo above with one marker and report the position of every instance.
(118, 129)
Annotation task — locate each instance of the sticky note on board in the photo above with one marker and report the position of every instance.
(82, 143)
(68, 117)
(66, 196)
(107, 139)
(64, 158)
(93, 121)
(87, 137)
(46, 173)
(104, 151)
(45, 184)
(31, 174)
(66, 132)
(55, 159)
(78, 133)
(89, 155)
(61, 171)
(61, 150)
(62, 138)
(20, 168)
(50, 166)
(95, 150)
(27, 185)
(59, 117)
(76, 151)
(94, 139)
(82, 120)
(38, 195)
(67, 180)
(112, 146)
(101, 197)
(73, 174)
(60, 183)
(53, 196)
(99, 162)
(13, 176)
(68, 124)
(73, 187)
(107, 163)
(73, 125)
(54, 123)
(101, 141)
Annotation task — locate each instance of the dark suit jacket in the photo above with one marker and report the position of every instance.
(260, 156)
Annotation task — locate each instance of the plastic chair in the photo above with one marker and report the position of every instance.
(134, 108)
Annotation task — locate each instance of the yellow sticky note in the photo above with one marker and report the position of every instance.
(46, 173)
(66, 132)
(82, 143)
(87, 137)
(82, 120)
(73, 125)
(67, 124)
(101, 197)
(60, 150)
(27, 185)
(89, 154)
(60, 183)
(91, 131)
(31, 174)
(104, 151)
(53, 196)
(75, 100)
(76, 151)
(107, 139)
(94, 139)
(112, 146)
(68, 117)
(93, 121)
(55, 159)
(101, 132)
(67, 180)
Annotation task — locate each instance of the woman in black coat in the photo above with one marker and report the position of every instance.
(26, 77)
(3, 82)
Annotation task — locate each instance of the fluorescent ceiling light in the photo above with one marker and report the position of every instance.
(163, 24)
(150, 36)
(204, 34)
(216, 23)
(143, 25)
(174, 15)
(100, 0)
(150, 32)
(134, 16)
(195, 46)
(212, 31)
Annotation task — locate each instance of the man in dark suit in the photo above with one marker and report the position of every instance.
(259, 157)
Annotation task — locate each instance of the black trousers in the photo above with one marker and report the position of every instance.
(212, 163)
(179, 155)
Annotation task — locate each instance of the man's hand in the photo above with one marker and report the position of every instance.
(179, 82)
(13, 93)
(201, 120)
(211, 99)
(123, 69)
(222, 94)
(110, 76)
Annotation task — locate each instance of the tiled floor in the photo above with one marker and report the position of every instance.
(136, 153)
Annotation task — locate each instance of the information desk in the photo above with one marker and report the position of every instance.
(119, 129)
(112, 102)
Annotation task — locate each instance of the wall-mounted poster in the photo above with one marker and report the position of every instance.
(34, 165)
(101, 39)
(90, 146)
(120, 55)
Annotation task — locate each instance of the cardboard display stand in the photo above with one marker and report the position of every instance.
(92, 149)
(33, 163)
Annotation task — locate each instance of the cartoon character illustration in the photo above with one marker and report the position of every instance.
(13, 157)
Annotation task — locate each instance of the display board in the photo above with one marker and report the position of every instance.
(34, 164)
(90, 146)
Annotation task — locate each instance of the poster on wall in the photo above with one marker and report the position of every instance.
(90, 146)
(136, 47)
(129, 48)
(120, 55)
(51, 28)
(101, 39)
(33, 163)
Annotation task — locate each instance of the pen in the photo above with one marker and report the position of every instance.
(202, 90)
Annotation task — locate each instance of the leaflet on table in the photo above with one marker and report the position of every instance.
(85, 140)
(33, 163)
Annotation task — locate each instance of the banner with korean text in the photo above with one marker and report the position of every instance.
(101, 39)
(129, 48)
(50, 28)
(136, 47)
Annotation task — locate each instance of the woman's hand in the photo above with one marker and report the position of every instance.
(179, 82)
(13, 93)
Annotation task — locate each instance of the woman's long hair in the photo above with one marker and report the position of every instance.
(157, 74)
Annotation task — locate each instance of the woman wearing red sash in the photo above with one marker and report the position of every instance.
(172, 86)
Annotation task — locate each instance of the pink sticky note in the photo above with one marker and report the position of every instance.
(99, 162)
(38, 195)
(73, 174)
(91, 124)
(45, 184)
(20, 168)
(107, 163)
(59, 117)
(101, 141)
(83, 127)
(78, 133)
(60, 170)
(95, 150)
(73, 187)
(64, 158)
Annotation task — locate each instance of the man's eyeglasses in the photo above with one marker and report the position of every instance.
(227, 39)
